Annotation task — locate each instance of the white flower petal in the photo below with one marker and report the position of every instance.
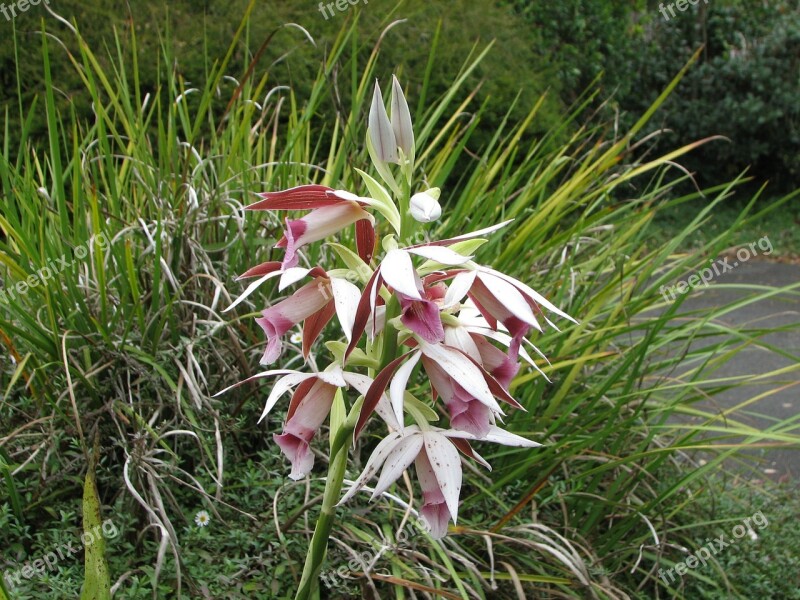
(251, 288)
(384, 408)
(376, 323)
(399, 383)
(345, 195)
(345, 297)
(441, 255)
(463, 371)
(254, 377)
(511, 298)
(506, 340)
(379, 455)
(283, 385)
(535, 296)
(334, 376)
(495, 435)
(398, 271)
(480, 232)
(446, 466)
(401, 457)
(292, 275)
(459, 337)
(459, 287)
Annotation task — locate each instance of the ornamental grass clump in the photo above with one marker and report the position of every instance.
(401, 307)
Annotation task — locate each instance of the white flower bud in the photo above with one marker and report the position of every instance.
(380, 129)
(401, 120)
(424, 206)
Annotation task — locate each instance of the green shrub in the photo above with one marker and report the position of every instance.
(745, 87)
(580, 40)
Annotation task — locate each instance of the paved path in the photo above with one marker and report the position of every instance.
(780, 310)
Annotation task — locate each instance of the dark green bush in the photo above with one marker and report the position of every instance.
(582, 39)
(745, 87)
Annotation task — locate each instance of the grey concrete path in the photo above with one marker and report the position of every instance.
(780, 310)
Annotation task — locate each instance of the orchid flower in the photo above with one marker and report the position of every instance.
(435, 453)
(331, 211)
(309, 407)
(440, 329)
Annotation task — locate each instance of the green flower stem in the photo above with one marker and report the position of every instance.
(389, 349)
(333, 489)
(315, 557)
(407, 222)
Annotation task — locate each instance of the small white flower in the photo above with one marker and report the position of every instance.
(296, 338)
(425, 207)
(202, 518)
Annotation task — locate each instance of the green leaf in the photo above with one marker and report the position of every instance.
(357, 358)
(352, 261)
(338, 415)
(385, 205)
(97, 581)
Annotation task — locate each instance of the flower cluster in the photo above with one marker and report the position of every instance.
(428, 304)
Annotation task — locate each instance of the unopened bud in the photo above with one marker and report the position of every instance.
(424, 206)
(380, 130)
(401, 120)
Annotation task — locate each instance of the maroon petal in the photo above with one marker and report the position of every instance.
(281, 317)
(502, 366)
(468, 414)
(261, 270)
(362, 312)
(303, 197)
(438, 276)
(466, 449)
(365, 240)
(307, 417)
(498, 391)
(299, 393)
(375, 392)
(485, 313)
(314, 325)
(434, 511)
(297, 451)
(294, 231)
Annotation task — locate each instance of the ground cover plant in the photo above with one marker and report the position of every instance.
(112, 360)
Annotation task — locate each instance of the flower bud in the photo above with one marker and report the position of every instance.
(424, 206)
(401, 120)
(380, 129)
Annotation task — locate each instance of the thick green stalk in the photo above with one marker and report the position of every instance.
(338, 463)
(333, 489)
